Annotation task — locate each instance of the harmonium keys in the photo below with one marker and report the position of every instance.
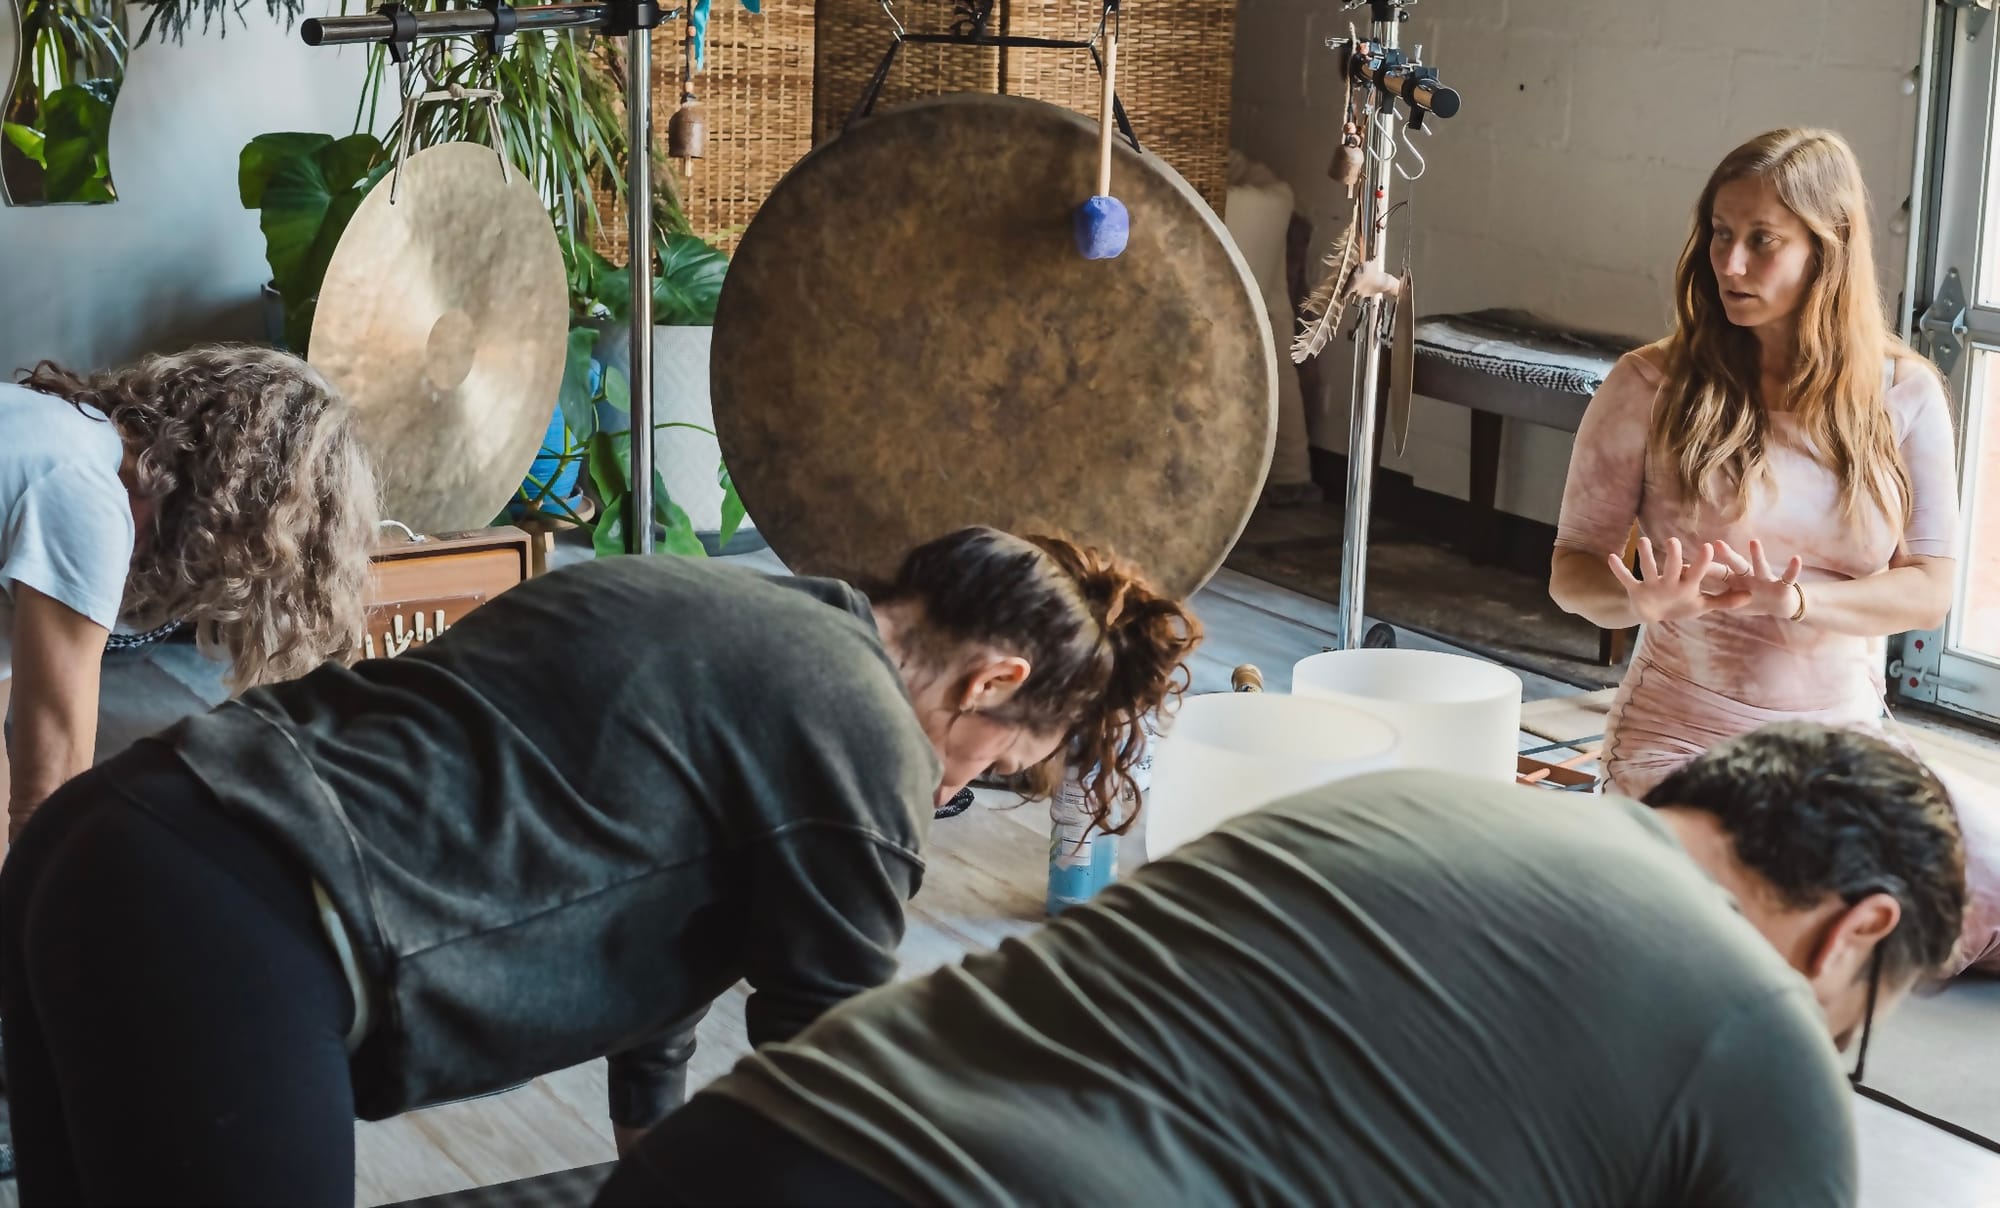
(421, 588)
(390, 633)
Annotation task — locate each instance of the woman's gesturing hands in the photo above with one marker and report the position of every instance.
(1671, 589)
(1771, 595)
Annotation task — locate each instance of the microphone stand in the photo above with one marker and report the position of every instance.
(1378, 68)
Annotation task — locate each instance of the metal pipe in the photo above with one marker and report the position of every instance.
(639, 212)
(1367, 374)
(1398, 82)
(1920, 172)
(374, 27)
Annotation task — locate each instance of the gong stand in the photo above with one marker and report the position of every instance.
(1379, 74)
(971, 21)
(400, 28)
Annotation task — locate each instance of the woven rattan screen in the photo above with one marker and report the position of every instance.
(756, 94)
(1174, 68)
(776, 83)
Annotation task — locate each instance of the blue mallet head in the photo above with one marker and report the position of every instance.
(1101, 226)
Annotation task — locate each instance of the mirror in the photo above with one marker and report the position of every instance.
(66, 61)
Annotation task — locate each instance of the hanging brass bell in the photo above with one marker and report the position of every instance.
(687, 132)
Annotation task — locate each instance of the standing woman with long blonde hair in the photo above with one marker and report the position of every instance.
(223, 487)
(1789, 463)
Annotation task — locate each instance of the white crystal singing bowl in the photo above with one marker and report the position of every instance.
(1226, 753)
(1454, 713)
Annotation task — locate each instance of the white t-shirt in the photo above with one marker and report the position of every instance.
(65, 519)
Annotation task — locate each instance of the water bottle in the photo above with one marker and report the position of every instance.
(1083, 856)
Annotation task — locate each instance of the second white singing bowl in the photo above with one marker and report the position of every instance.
(1227, 753)
(1454, 713)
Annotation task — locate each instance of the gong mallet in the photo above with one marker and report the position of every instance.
(1101, 224)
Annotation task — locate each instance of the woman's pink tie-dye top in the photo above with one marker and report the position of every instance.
(1762, 661)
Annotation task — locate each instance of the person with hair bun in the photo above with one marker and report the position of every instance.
(556, 833)
(223, 487)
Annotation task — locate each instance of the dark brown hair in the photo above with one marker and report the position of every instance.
(1820, 812)
(1104, 648)
(266, 503)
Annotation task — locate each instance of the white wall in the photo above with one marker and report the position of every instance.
(1567, 182)
(176, 258)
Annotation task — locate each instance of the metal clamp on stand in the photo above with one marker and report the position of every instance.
(402, 31)
(630, 16)
(504, 22)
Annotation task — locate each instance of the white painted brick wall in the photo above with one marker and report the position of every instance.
(1567, 184)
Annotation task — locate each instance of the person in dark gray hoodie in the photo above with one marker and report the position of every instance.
(556, 833)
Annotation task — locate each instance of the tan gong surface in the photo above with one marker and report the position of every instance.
(444, 319)
(908, 342)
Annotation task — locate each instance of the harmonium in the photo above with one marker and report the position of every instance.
(421, 588)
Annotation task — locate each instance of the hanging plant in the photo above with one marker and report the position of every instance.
(57, 122)
(173, 18)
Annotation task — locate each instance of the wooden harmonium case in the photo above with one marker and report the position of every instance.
(421, 588)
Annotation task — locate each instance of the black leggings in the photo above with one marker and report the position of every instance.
(716, 1151)
(173, 1012)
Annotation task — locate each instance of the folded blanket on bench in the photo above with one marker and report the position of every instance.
(1518, 346)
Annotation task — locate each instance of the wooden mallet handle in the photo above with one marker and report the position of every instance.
(1104, 132)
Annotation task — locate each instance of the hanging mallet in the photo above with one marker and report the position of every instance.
(1101, 224)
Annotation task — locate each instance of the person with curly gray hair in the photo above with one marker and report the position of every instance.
(223, 487)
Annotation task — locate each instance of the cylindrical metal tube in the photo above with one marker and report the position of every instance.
(1424, 94)
(1920, 172)
(639, 208)
(344, 31)
(1367, 378)
(1360, 474)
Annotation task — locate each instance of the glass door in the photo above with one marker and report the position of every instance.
(1957, 323)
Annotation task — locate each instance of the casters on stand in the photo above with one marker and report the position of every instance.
(1380, 636)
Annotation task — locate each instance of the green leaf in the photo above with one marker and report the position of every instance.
(355, 160)
(609, 470)
(690, 282)
(732, 504)
(26, 140)
(617, 391)
(105, 90)
(611, 289)
(76, 140)
(607, 540)
(307, 203)
(265, 154)
(680, 538)
(579, 415)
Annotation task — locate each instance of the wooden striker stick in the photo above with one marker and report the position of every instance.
(1104, 132)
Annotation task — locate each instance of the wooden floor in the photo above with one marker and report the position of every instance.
(987, 872)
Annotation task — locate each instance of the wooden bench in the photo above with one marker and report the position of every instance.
(1505, 364)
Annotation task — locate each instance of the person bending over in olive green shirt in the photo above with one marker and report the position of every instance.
(1405, 988)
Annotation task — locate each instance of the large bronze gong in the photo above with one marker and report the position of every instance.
(908, 342)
